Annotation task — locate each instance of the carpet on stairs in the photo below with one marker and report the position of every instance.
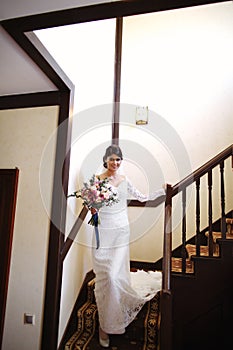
(141, 334)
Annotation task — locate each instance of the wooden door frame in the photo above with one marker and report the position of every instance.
(7, 220)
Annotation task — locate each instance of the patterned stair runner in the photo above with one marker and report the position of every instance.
(141, 334)
(87, 319)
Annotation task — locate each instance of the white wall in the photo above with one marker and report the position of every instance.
(170, 60)
(179, 64)
(86, 55)
(23, 136)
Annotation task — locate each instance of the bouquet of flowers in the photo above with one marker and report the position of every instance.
(95, 194)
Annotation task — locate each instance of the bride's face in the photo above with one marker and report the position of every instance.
(113, 162)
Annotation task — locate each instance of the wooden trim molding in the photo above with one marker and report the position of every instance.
(90, 13)
(56, 238)
(117, 81)
(38, 99)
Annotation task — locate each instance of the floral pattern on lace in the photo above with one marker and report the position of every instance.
(118, 299)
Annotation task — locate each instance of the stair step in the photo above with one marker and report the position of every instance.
(143, 331)
(87, 320)
(229, 222)
(204, 250)
(177, 265)
(217, 235)
(90, 290)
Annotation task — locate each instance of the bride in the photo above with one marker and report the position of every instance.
(119, 294)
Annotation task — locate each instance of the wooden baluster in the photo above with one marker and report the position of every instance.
(166, 296)
(167, 244)
(223, 214)
(198, 243)
(210, 211)
(183, 252)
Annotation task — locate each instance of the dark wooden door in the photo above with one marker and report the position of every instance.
(8, 193)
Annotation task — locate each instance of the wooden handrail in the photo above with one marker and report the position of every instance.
(187, 180)
(203, 170)
(172, 191)
(73, 232)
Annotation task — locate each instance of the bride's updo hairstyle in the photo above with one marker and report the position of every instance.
(113, 149)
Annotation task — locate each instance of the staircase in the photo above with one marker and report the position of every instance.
(203, 296)
(204, 249)
(194, 309)
(141, 334)
(196, 298)
(203, 324)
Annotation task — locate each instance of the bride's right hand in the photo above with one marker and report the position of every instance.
(93, 210)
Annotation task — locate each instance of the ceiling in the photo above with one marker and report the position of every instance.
(18, 72)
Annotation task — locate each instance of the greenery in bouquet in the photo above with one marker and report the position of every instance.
(96, 193)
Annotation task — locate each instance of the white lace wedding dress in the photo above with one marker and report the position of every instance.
(120, 294)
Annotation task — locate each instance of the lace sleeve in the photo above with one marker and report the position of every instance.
(142, 197)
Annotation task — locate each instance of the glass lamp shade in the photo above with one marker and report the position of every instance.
(141, 115)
